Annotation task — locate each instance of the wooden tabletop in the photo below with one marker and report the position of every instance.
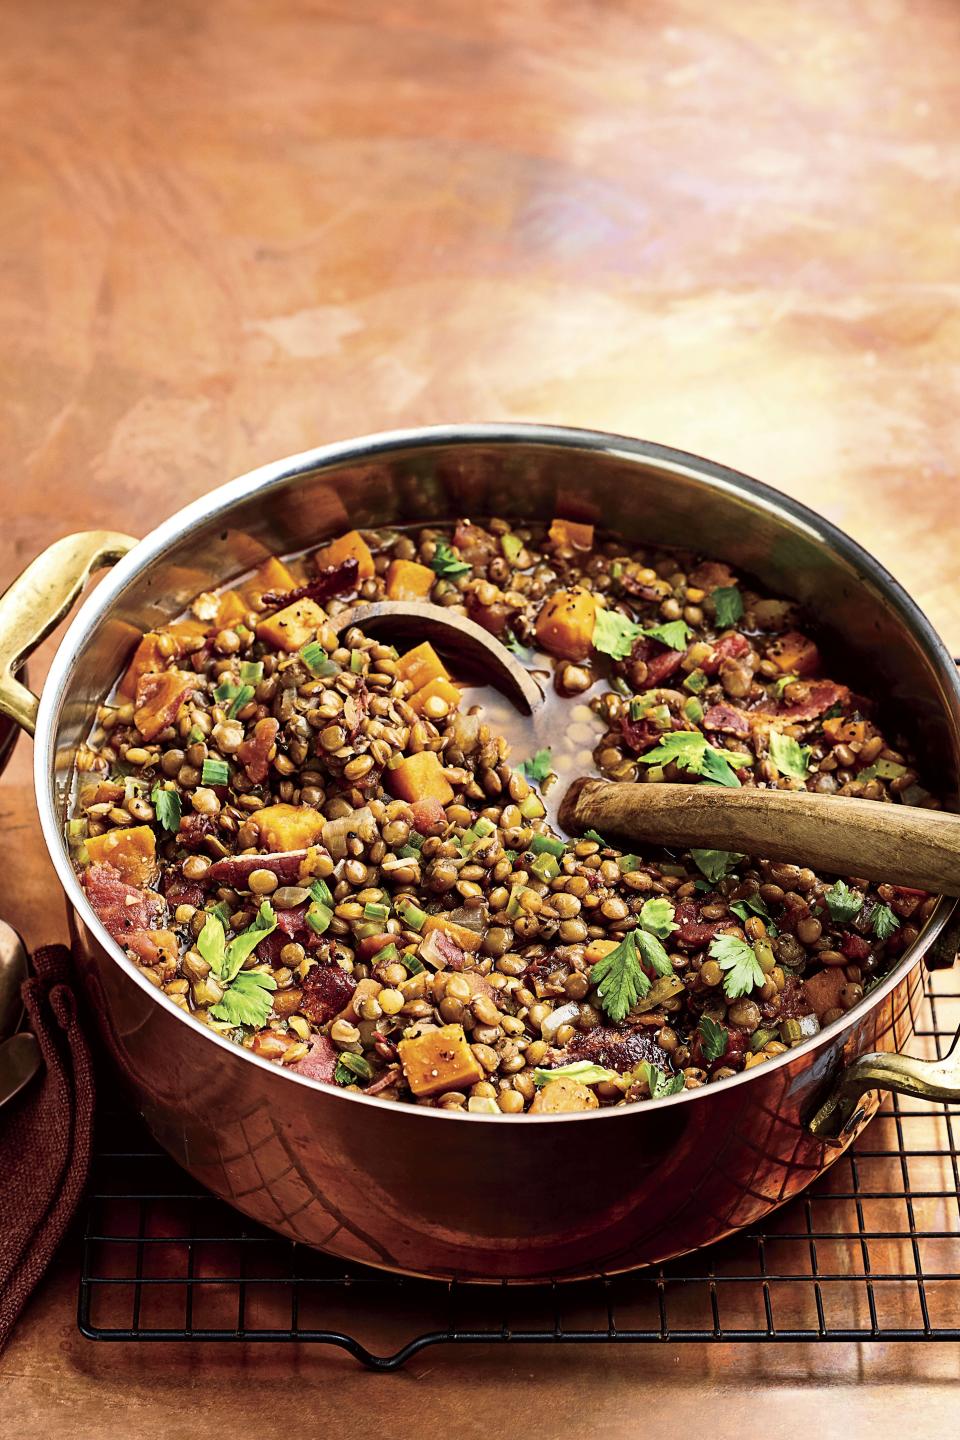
(230, 232)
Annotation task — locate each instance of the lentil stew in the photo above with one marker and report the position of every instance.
(345, 860)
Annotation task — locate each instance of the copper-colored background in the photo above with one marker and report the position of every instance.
(231, 231)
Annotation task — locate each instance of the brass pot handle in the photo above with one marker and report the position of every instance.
(841, 1114)
(38, 600)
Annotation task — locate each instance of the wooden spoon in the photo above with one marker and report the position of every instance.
(841, 836)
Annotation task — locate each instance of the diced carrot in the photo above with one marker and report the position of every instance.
(272, 575)
(794, 654)
(565, 624)
(406, 580)
(421, 665)
(569, 532)
(352, 545)
(562, 1095)
(292, 627)
(132, 851)
(288, 827)
(842, 732)
(436, 689)
(419, 777)
(439, 1060)
(822, 990)
(160, 694)
(466, 939)
(232, 609)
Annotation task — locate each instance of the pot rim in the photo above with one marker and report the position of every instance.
(365, 449)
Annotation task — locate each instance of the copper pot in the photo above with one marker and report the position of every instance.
(473, 1196)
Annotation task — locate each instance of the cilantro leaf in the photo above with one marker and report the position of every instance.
(583, 1070)
(660, 1085)
(168, 807)
(674, 634)
(753, 905)
(884, 922)
(537, 768)
(619, 978)
(739, 960)
(782, 684)
(614, 634)
(247, 1002)
(713, 1039)
(657, 917)
(226, 960)
(653, 952)
(446, 563)
(628, 863)
(597, 839)
(212, 944)
(689, 750)
(715, 863)
(789, 757)
(842, 902)
(513, 644)
(728, 603)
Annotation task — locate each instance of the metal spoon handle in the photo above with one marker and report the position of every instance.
(835, 834)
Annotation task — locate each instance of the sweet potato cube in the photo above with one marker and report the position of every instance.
(231, 610)
(565, 624)
(436, 689)
(560, 1096)
(439, 1060)
(272, 575)
(146, 657)
(823, 990)
(421, 665)
(568, 532)
(794, 654)
(467, 939)
(132, 851)
(420, 777)
(406, 580)
(160, 694)
(288, 827)
(844, 732)
(292, 627)
(352, 545)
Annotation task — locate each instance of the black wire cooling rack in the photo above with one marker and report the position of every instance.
(871, 1252)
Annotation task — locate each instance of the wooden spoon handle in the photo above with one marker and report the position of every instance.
(832, 833)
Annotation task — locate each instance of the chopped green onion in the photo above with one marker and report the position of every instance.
(413, 964)
(415, 839)
(547, 867)
(547, 845)
(693, 710)
(373, 910)
(196, 735)
(356, 662)
(320, 890)
(215, 772)
(408, 852)
(531, 807)
(629, 863)
(388, 955)
(366, 929)
(412, 916)
(318, 917)
(251, 671)
(762, 1037)
(359, 1067)
(225, 692)
(317, 660)
(243, 697)
(483, 826)
(512, 546)
(695, 681)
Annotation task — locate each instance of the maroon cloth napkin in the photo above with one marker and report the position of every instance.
(45, 1135)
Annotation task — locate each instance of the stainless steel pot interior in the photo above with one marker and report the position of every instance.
(380, 1190)
(646, 492)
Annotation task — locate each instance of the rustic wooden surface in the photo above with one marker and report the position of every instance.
(232, 231)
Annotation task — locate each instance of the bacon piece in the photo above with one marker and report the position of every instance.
(326, 991)
(179, 891)
(320, 1062)
(355, 709)
(428, 817)
(660, 660)
(496, 617)
(633, 587)
(614, 1049)
(236, 869)
(693, 930)
(854, 947)
(129, 914)
(821, 696)
(442, 951)
(194, 829)
(711, 575)
(475, 544)
(726, 718)
(729, 647)
(254, 753)
(638, 735)
(545, 975)
(160, 694)
(331, 580)
(390, 1077)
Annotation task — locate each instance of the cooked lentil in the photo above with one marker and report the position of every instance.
(325, 851)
